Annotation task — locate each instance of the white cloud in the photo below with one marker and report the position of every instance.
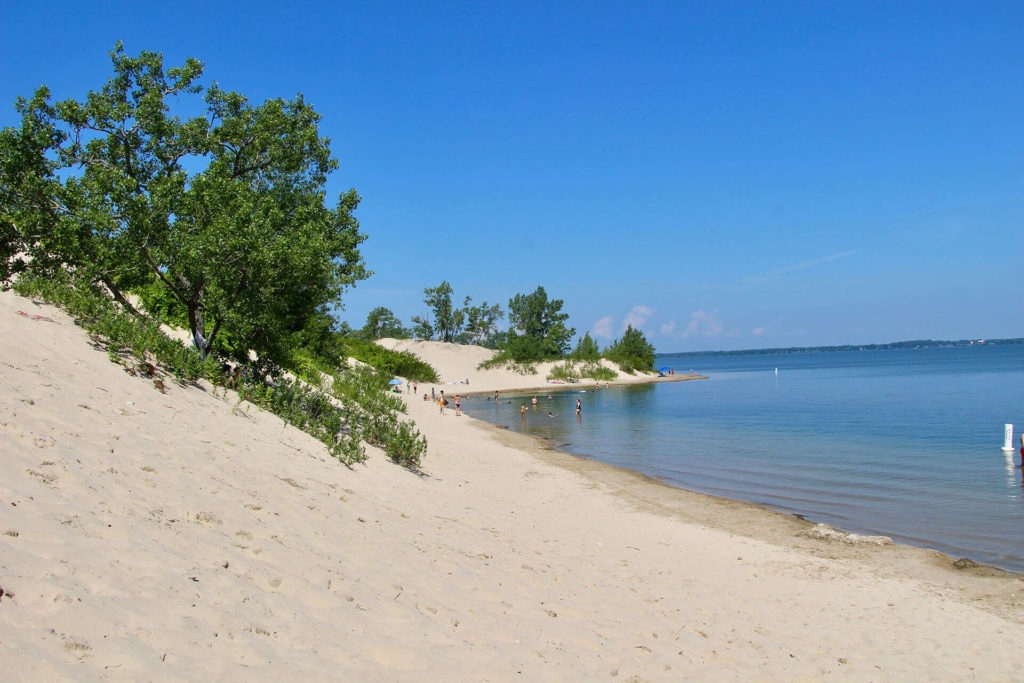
(637, 317)
(603, 327)
(758, 331)
(668, 327)
(703, 325)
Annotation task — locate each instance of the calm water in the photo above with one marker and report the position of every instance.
(904, 443)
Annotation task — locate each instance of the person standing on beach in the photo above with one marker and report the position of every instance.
(458, 406)
(432, 397)
(440, 402)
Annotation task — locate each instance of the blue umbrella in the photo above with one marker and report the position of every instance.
(664, 369)
(396, 381)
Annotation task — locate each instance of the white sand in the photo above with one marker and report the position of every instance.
(181, 537)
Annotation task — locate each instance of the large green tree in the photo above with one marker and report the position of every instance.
(447, 320)
(481, 321)
(538, 328)
(226, 211)
(632, 351)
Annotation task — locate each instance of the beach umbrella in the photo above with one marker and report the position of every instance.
(664, 369)
(396, 381)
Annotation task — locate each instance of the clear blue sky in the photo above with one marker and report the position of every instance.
(723, 174)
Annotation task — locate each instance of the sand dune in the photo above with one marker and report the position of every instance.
(182, 536)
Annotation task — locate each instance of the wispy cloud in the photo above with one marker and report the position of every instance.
(703, 324)
(668, 327)
(810, 264)
(603, 327)
(637, 316)
(764, 329)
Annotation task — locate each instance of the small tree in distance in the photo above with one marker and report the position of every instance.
(632, 351)
(381, 322)
(586, 349)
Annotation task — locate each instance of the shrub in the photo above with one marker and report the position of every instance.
(506, 359)
(590, 369)
(392, 363)
(358, 407)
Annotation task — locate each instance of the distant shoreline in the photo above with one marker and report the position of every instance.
(911, 345)
(583, 384)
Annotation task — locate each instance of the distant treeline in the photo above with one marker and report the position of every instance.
(914, 344)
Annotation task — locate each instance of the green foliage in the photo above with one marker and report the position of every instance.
(240, 240)
(632, 352)
(586, 349)
(390, 363)
(312, 411)
(359, 408)
(505, 359)
(448, 320)
(380, 323)
(570, 370)
(538, 330)
(421, 328)
(375, 412)
(124, 334)
(480, 321)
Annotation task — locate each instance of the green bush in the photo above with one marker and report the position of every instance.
(358, 408)
(589, 369)
(392, 363)
(632, 352)
(506, 359)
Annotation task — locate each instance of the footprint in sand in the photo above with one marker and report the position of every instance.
(45, 477)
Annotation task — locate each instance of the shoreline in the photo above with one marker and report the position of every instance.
(183, 535)
(540, 446)
(547, 444)
(583, 384)
(786, 518)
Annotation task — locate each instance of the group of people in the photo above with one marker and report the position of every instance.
(442, 402)
(533, 401)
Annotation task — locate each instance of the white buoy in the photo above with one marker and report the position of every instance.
(1008, 439)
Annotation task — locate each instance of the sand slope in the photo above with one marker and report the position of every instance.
(180, 536)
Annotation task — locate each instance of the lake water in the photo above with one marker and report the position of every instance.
(903, 443)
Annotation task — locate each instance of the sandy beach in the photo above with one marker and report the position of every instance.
(187, 536)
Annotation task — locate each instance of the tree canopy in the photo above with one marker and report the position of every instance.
(481, 321)
(448, 320)
(381, 322)
(226, 211)
(632, 351)
(586, 348)
(537, 327)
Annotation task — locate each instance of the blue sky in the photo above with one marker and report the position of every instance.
(723, 175)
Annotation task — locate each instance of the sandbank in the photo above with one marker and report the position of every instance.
(186, 536)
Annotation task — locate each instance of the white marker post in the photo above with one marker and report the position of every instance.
(1008, 439)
